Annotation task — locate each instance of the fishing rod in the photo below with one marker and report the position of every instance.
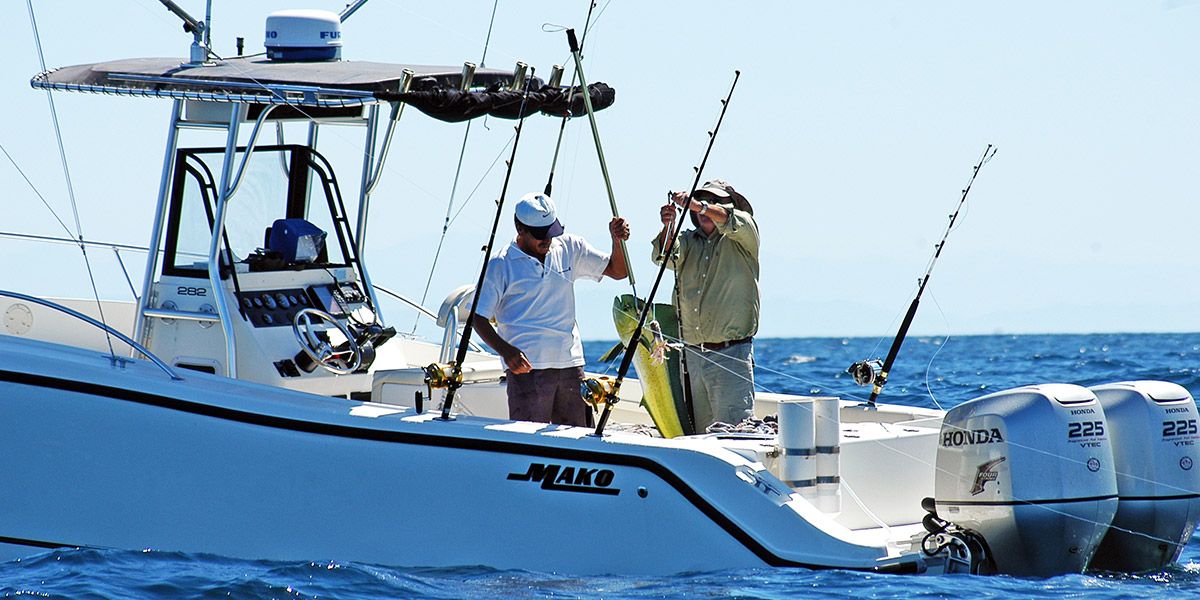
(609, 390)
(587, 103)
(868, 372)
(450, 376)
(562, 126)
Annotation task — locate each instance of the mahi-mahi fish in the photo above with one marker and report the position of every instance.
(662, 387)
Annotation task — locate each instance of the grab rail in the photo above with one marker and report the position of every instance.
(182, 315)
(421, 309)
(78, 315)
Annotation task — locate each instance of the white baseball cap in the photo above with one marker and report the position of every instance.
(536, 211)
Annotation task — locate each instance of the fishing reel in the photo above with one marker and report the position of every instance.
(867, 372)
(442, 375)
(598, 391)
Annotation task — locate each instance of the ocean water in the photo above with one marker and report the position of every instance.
(929, 372)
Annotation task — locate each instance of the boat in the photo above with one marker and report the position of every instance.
(261, 407)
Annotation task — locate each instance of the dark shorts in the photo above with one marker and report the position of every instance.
(548, 396)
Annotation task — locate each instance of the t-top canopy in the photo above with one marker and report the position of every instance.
(256, 80)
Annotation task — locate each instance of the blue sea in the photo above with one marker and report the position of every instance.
(929, 372)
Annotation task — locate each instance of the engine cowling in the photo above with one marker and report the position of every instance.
(1031, 470)
(1156, 456)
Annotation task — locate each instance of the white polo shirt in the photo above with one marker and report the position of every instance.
(534, 303)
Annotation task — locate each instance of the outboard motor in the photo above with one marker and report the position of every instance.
(1153, 425)
(1030, 470)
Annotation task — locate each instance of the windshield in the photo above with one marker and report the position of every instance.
(273, 187)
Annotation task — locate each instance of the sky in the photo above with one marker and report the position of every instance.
(852, 130)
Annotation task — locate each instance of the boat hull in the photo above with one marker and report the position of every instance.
(122, 457)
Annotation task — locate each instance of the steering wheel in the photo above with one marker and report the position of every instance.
(322, 352)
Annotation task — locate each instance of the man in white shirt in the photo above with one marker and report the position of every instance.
(529, 291)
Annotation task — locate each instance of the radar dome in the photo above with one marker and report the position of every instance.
(303, 35)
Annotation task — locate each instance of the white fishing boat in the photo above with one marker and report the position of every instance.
(257, 404)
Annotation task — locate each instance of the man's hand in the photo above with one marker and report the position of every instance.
(512, 356)
(618, 228)
(667, 214)
(516, 362)
(679, 198)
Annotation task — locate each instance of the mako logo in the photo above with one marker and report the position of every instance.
(968, 437)
(569, 479)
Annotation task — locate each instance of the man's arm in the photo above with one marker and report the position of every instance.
(715, 212)
(617, 268)
(736, 225)
(512, 356)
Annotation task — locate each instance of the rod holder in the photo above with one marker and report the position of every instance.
(406, 79)
(468, 76)
(797, 443)
(556, 73)
(518, 82)
(827, 423)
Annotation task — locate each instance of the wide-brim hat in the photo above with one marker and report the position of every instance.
(725, 194)
(537, 213)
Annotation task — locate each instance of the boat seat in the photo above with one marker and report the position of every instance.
(458, 303)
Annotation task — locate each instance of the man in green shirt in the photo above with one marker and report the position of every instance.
(716, 274)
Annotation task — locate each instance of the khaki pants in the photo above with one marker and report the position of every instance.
(722, 384)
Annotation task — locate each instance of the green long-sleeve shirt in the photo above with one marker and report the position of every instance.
(718, 280)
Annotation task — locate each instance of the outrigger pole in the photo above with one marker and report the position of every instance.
(864, 371)
(612, 392)
(452, 377)
(587, 103)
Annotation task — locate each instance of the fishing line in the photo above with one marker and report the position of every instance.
(457, 33)
(700, 350)
(958, 476)
(36, 192)
(1035, 503)
(311, 119)
(462, 153)
(562, 126)
(899, 314)
(479, 183)
(702, 353)
(62, 154)
(893, 449)
(613, 394)
(864, 371)
(114, 247)
(455, 378)
(945, 340)
(577, 56)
